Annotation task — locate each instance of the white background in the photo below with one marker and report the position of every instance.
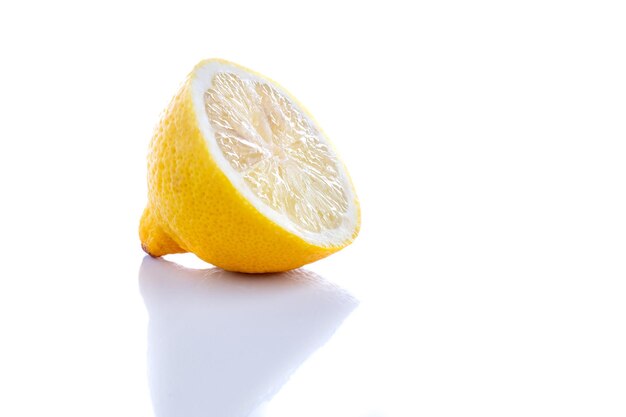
(486, 141)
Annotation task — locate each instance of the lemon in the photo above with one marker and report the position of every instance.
(242, 176)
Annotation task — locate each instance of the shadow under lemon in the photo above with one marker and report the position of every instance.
(222, 343)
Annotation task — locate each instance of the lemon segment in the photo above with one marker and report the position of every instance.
(277, 151)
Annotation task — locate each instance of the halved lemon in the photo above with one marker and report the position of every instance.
(241, 175)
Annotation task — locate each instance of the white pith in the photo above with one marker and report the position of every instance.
(202, 81)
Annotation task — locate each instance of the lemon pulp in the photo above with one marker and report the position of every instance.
(277, 150)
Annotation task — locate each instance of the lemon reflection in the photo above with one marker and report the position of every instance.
(222, 343)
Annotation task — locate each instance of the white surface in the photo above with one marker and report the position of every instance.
(486, 141)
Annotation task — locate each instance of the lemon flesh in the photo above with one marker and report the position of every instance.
(277, 151)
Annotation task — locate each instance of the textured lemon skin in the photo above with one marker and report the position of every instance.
(193, 206)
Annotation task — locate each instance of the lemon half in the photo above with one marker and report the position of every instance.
(242, 176)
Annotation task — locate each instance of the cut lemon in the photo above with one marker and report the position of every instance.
(242, 176)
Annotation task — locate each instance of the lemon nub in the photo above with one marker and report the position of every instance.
(277, 150)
